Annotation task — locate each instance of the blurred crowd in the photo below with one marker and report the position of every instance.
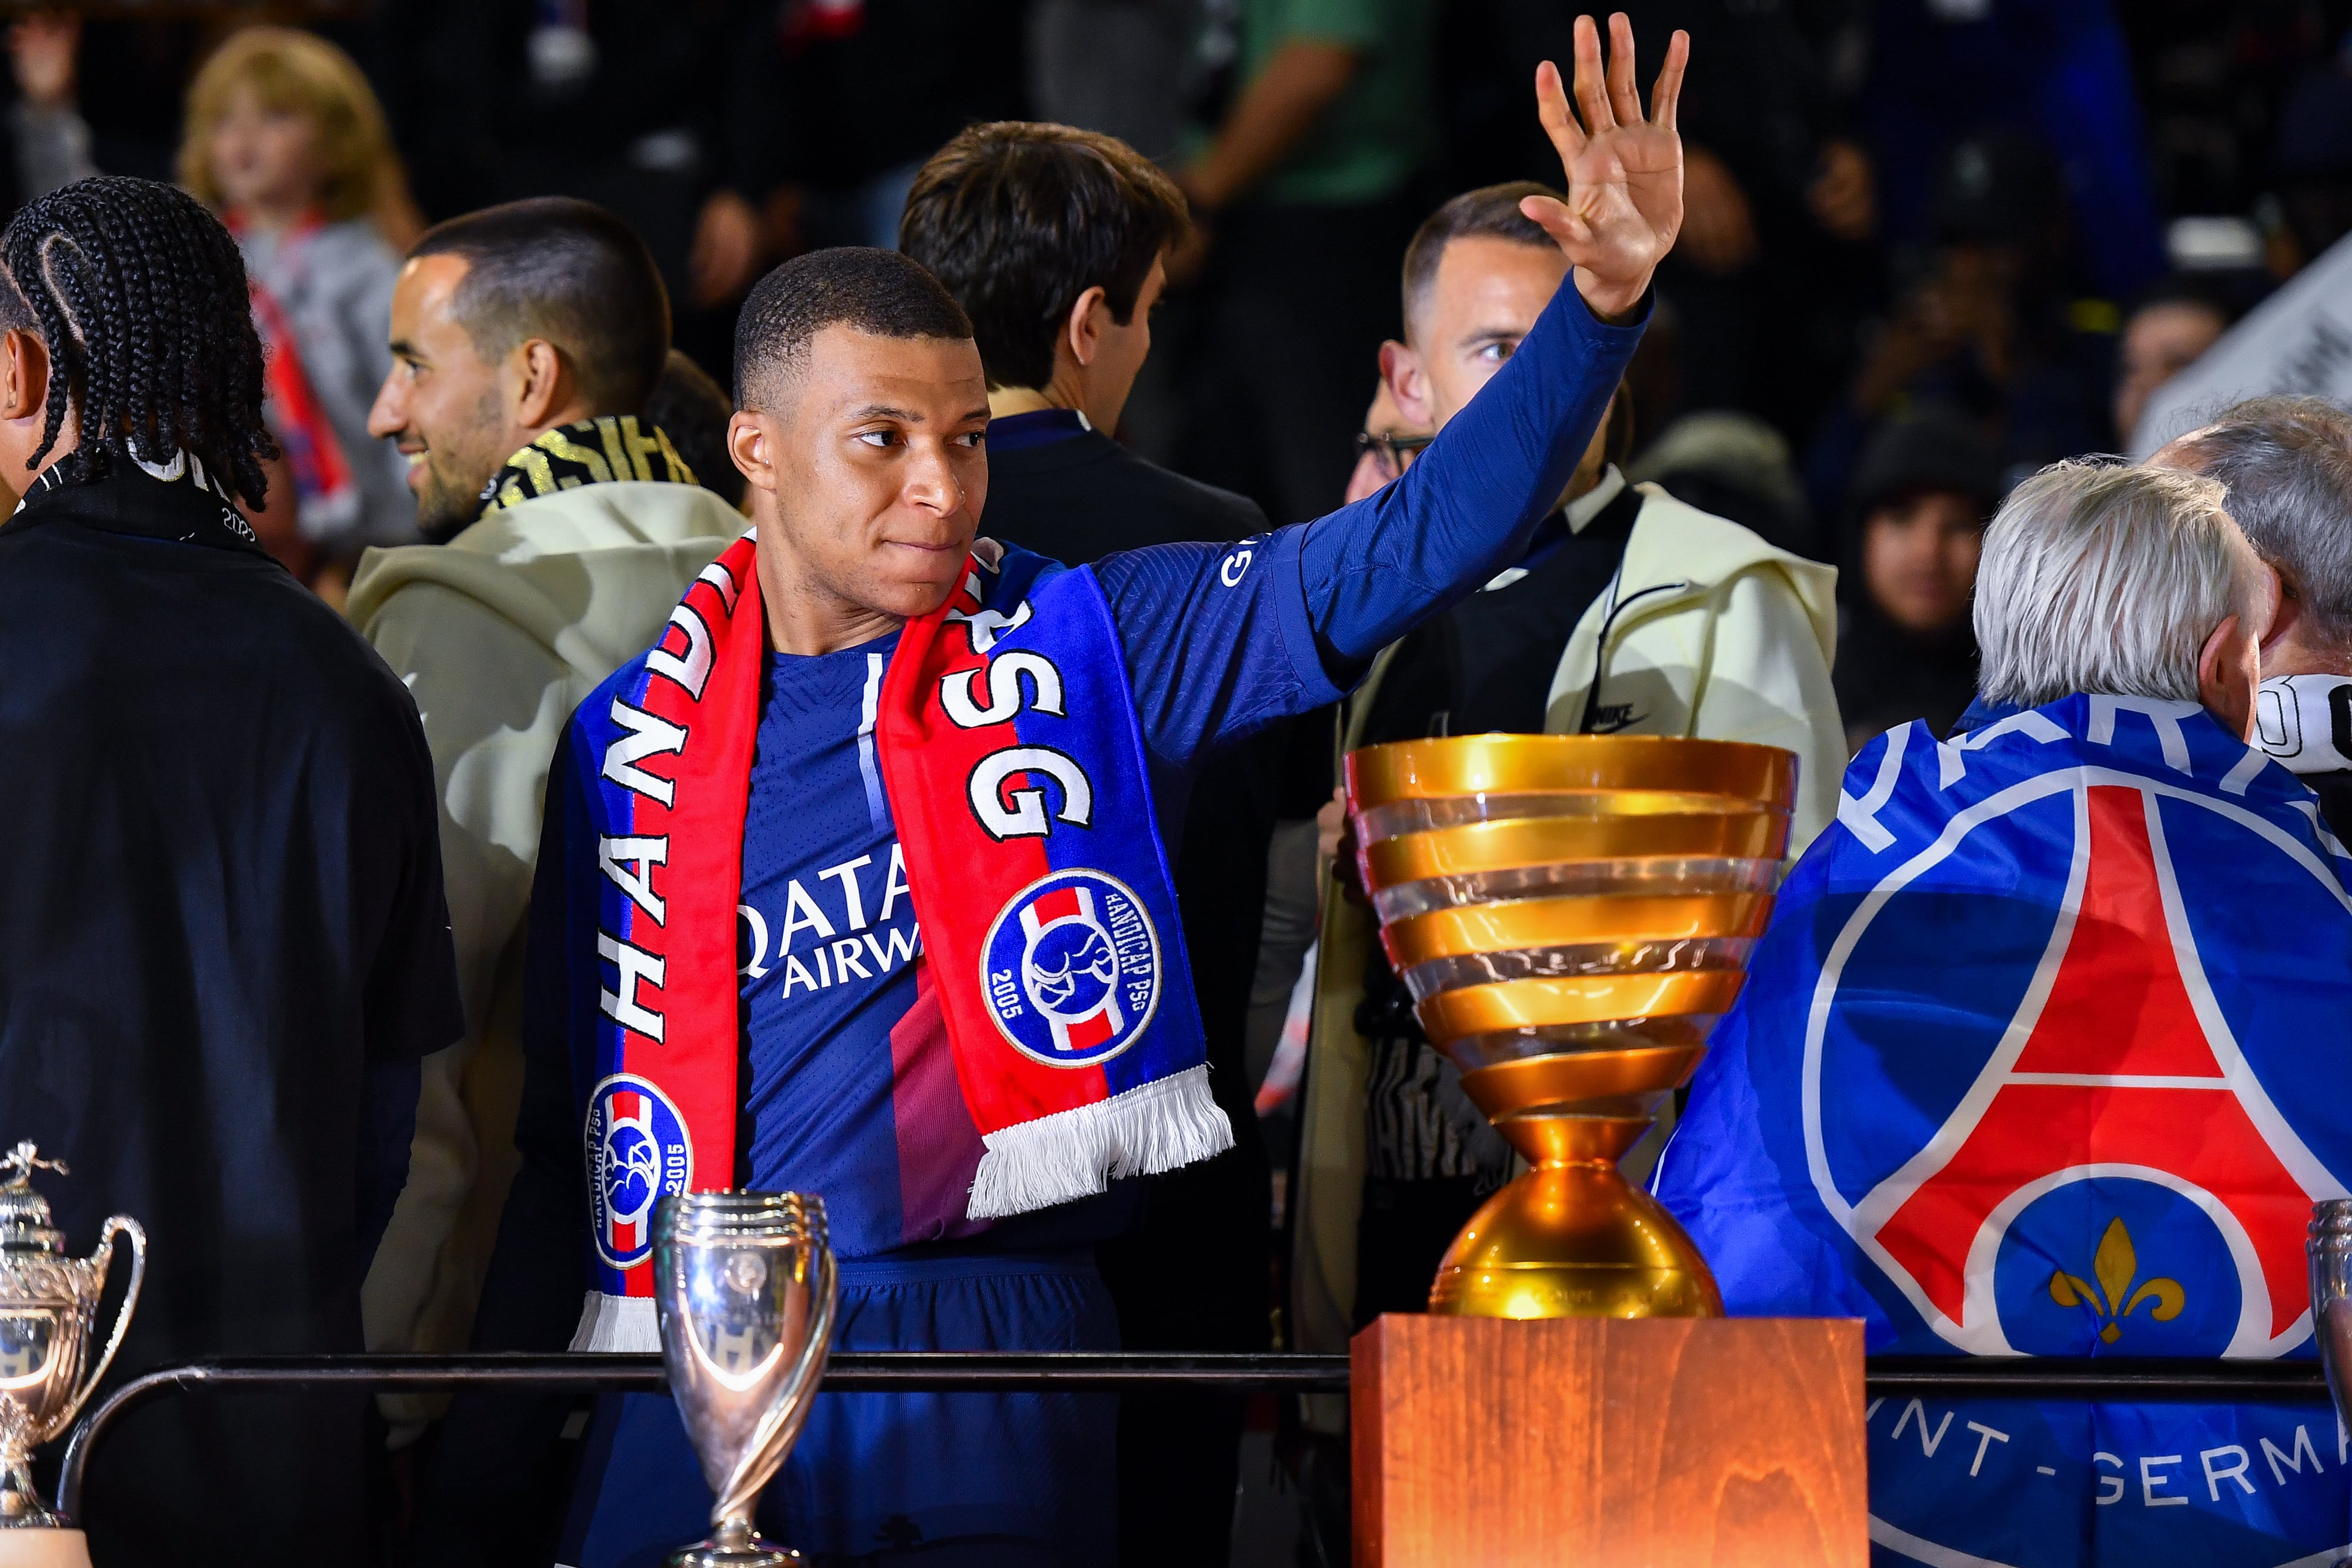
(1931, 244)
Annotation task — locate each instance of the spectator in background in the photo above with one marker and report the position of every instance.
(827, 109)
(692, 410)
(48, 141)
(1054, 242)
(1773, 270)
(1944, 73)
(1127, 68)
(1995, 328)
(285, 141)
(2168, 329)
(1306, 191)
(2287, 463)
(224, 946)
(1926, 485)
(617, 102)
(525, 338)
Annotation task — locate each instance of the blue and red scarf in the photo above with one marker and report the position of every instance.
(1015, 774)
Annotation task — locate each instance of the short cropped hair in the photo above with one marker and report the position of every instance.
(571, 273)
(876, 291)
(1019, 219)
(2100, 578)
(1490, 212)
(2287, 464)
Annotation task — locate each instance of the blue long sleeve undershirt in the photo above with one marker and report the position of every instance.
(1468, 508)
(1223, 639)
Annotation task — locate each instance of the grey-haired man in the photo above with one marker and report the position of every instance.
(2287, 463)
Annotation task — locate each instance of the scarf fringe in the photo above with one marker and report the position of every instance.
(1078, 1152)
(610, 1324)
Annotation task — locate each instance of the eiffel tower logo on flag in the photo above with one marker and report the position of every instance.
(2117, 1062)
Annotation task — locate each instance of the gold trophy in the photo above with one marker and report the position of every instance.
(1572, 914)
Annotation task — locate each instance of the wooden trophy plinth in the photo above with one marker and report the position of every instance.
(57, 1548)
(1601, 1442)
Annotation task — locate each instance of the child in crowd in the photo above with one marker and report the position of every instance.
(286, 141)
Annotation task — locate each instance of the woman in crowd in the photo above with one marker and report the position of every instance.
(285, 141)
(1925, 487)
(2168, 330)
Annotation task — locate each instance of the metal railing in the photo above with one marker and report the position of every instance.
(1070, 1372)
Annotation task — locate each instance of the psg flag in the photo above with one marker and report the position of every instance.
(2048, 1052)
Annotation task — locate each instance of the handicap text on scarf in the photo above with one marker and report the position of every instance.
(2044, 1054)
(1014, 772)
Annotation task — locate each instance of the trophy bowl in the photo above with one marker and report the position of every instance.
(1571, 916)
(744, 1291)
(49, 1309)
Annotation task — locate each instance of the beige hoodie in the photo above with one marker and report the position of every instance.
(1707, 631)
(500, 635)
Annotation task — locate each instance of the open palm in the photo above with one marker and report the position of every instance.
(1625, 168)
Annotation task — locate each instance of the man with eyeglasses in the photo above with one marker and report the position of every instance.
(1630, 612)
(1383, 450)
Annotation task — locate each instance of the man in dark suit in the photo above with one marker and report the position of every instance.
(1054, 242)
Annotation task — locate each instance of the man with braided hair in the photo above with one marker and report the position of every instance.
(223, 945)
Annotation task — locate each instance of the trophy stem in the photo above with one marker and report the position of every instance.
(1572, 1238)
(20, 1504)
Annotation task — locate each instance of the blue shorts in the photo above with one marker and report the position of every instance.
(945, 1480)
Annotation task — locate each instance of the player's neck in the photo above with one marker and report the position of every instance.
(806, 618)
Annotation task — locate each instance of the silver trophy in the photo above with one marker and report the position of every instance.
(743, 1286)
(2331, 1301)
(48, 1305)
(2331, 1295)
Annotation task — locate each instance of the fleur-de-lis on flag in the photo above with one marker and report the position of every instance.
(2113, 1298)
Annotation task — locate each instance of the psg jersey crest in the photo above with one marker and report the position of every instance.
(1071, 969)
(638, 1153)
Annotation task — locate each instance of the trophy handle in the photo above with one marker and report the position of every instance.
(120, 1224)
(781, 1425)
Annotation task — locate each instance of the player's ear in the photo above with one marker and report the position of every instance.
(1082, 334)
(24, 374)
(2228, 676)
(1408, 384)
(751, 446)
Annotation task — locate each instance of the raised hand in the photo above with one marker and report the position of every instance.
(1625, 169)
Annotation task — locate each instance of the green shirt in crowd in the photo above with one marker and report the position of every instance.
(1381, 129)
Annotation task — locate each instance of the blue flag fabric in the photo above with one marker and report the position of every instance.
(2045, 1053)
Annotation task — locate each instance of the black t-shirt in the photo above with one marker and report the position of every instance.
(225, 906)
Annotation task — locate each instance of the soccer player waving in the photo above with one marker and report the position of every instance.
(855, 883)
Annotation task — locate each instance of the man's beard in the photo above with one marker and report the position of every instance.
(448, 502)
(443, 512)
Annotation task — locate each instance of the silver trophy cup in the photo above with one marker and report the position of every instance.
(743, 1285)
(2331, 1301)
(49, 1306)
